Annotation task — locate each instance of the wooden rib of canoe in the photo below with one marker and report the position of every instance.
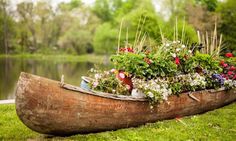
(49, 108)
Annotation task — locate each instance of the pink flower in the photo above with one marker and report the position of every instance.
(229, 55)
(95, 84)
(128, 87)
(121, 75)
(225, 65)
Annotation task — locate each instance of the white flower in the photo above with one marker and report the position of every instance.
(190, 51)
(174, 42)
(183, 46)
(178, 49)
(97, 76)
(167, 44)
(150, 94)
(173, 55)
(178, 41)
(113, 70)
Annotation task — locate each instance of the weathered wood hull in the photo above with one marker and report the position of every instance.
(45, 107)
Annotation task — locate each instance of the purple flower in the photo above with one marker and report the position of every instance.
(219, 78)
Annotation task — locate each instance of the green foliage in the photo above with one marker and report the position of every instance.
(105, 39)
(71, 5)
(103, 9)
(201, 61)
(78, 40)
(210, 4)
(228, 24)
(56, 27)
(176, 88)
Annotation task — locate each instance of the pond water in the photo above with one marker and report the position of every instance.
(10, 69)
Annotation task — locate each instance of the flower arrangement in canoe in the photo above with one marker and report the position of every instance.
(170, 70)
(156, 72)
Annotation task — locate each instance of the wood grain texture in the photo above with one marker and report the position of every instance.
(45, 107)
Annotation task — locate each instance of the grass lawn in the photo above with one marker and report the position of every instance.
(60, 58)
(215, 125)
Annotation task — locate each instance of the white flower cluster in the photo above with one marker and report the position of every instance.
(154, 89)
(197, 80)
(230, 83)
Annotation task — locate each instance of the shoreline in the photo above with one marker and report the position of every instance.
(8, 101)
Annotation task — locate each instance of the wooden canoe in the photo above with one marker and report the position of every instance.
(45, 107)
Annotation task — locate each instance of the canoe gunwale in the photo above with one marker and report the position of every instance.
(124, 97)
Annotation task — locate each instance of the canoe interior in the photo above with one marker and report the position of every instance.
(45, 107)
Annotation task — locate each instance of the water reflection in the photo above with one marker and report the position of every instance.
(10, 69)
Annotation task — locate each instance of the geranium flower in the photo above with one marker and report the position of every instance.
(222, 62)
(229, 55)
(230, 73)
(232, 68)
(225, 65)
(177, 61)
(234, 78)
(129, 49)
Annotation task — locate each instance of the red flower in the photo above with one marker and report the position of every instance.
(234, 78)
(230, 73)
(222, 62)
(129, 49)
(177, 61)
(229, 55)
(232, 68)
